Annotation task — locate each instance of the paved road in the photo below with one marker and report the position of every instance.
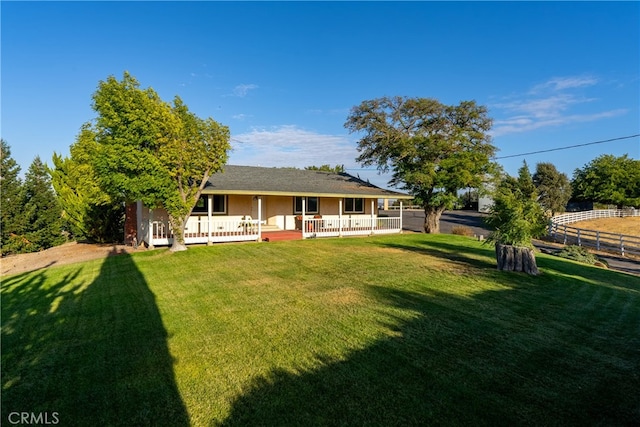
(414, 221)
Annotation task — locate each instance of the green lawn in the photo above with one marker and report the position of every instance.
(393, 330)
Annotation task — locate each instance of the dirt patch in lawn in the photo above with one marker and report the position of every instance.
(627, 225)
(68, 253)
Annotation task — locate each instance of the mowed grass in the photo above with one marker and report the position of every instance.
(395, 330)
(629, 225)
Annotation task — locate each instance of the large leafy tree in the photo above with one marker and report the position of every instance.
(433, 150)
(200, 150)
(609, 179)
(89, 212)
(554, 188)
(12, 223)
(153, 151)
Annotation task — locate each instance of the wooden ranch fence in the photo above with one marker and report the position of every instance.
(624, 244)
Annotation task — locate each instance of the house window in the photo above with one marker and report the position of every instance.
(201, 205)
(311, 205)
(354, 205)
(219, 205)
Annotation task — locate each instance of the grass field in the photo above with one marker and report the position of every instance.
(394, 330)
(629, 225)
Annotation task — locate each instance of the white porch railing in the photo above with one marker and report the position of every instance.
(406, 208)
(334, 227)
(197, 231)
(238, 230)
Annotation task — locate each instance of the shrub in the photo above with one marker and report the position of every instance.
(462, 230)
(580, 254)
(516, 217)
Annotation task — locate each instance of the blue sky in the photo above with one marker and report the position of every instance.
(283, 76)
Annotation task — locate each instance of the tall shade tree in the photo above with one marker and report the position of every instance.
(554, 188)
(89, 213)
(12, 223)
(41, 212)
(609, 179)
(153, 151)
(433, 150)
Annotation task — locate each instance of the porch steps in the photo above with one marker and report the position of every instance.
(279, 235)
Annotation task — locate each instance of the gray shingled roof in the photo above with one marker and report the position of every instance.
(293, 182)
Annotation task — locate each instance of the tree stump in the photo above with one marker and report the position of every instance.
(516, 258)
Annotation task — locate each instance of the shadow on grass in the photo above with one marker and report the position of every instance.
(471, 255)
(94, 354)
(534, 353)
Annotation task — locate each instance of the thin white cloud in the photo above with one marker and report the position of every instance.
(243, 89)
(550, 106)
(291, 146)
(241, 116)
(525, 124)
(551, 103)
(563, 83)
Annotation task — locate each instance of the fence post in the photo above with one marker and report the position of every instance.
(622, 245)
(597, 240)
(565, 235)
(579, 244)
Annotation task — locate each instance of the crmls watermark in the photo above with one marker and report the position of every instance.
(33, 418)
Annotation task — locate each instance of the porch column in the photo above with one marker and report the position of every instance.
(259, 218)
(139, 234)
(400, 216)
(372, 216)
(150, 228)
(209, 218)
(340, 218)
(304, 225)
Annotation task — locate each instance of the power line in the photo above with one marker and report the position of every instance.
(567, 147)
(518, 155)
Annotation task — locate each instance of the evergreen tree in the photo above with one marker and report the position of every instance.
(88, 212)
(554, 188)
(525, 182)
(42, 212)
(11, 221)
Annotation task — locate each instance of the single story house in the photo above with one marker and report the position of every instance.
(241, 203)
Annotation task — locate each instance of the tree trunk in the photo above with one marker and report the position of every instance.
(178, 225)
(432, 219)
(516, 258)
